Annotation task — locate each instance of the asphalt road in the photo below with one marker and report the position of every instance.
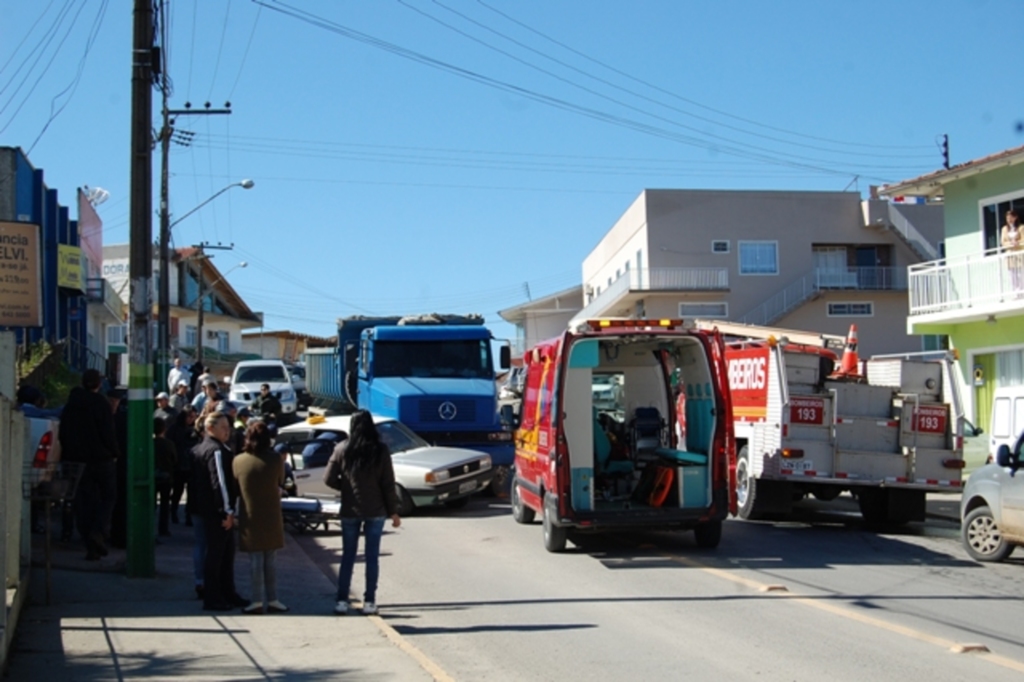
(474, 596)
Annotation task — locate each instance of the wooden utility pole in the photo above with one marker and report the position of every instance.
(141, 560)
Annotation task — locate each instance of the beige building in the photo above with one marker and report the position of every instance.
(817, 261)
(286, 345)
(543, 318)
(801, 260)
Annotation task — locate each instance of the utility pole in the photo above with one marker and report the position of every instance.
(141, 560)
(167, 135)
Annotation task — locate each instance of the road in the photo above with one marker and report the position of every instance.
(474, 596)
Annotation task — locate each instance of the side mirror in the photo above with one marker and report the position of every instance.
(971, 430)
(1003, 457)
(505, 357)
(508, 416)
(227, 381)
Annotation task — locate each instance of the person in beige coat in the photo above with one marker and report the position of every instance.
(260, 472)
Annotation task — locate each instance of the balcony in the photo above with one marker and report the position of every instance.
(618, 298)
(967, 289)
(818, 280)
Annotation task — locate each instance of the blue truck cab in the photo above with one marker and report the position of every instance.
(435, 374)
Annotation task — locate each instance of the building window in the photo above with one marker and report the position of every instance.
(720, 246)
(759, 258)
(866, 309)
(223, 342)
(640, 260)
(116, 334)
(190, 336)
(705, 309)
(993, 217)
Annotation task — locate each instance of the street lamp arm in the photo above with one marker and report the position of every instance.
(244, 184)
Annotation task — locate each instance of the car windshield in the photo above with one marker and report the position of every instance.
(444, 359)
(261, 374)
(399, 438)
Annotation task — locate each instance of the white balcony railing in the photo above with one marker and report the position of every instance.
(977, 281)
(657, 279)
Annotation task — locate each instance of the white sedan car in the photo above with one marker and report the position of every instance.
(424, 474)
(992, 506)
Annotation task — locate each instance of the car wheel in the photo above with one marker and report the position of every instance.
(405, 504)
(520, 512)
(708, 535)
(554, 536)
(982, 538)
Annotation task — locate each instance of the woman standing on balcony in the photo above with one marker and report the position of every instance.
(1012, 240)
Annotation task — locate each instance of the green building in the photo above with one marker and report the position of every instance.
(975, 294)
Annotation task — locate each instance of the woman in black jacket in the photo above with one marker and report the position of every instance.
(360, 467)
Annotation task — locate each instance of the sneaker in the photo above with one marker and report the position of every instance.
(277, 607)
(369, 609)
(341, 608)
(253, 609)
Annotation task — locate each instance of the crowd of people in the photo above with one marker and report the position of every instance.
(222, 460)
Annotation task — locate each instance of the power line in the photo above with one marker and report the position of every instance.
(685, 99)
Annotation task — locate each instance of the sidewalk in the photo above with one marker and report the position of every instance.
(101, 625)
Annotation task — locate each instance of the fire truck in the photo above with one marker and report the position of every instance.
(808, 421)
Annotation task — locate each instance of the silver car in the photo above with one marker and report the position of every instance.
(992, 507)
(424, 474)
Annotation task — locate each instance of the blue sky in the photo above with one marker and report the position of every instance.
(453, 155)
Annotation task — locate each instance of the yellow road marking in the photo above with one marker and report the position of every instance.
(850, 614)
(433, 669)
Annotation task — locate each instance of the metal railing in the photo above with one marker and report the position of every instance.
(988, 278)
(825, 279)
(657, 279)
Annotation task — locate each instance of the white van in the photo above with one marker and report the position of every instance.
(249, 375)
(1007, 418)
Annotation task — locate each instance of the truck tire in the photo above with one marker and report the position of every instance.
(746, 487)
(520, 512)
(873, 503)
(982, 538)
(554, 536)
(708, 535)
(405, 504)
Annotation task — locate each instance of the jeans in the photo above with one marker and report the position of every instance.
(199, 551)
(373, 529)
(263, 574)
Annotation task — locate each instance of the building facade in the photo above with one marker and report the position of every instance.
(816, 261)
(975, 294)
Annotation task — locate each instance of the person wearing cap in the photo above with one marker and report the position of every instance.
(179, 399)
(163, 408)
(177, 374)
(209, 392)
(87, 435)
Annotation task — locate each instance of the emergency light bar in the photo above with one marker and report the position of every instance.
(623, 323)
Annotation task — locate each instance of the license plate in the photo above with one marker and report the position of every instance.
(467, 487)
(796, 464)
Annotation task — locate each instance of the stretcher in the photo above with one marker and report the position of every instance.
(309, 513)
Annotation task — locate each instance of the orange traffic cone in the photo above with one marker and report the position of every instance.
(850, 365)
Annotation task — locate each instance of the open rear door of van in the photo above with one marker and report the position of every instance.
(725, 422)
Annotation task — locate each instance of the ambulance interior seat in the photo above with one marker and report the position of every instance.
(646, 429)
(603, 452)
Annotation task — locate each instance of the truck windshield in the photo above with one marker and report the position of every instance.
(261, 374)
(444, 359)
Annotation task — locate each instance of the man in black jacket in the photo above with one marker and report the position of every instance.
(213, 496)
(87, 436)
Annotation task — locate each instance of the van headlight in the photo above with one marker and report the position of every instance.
(287, 394)
(436, 477)
(485, 463)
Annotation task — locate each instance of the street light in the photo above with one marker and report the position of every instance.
(164, 302)
(200, 307)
